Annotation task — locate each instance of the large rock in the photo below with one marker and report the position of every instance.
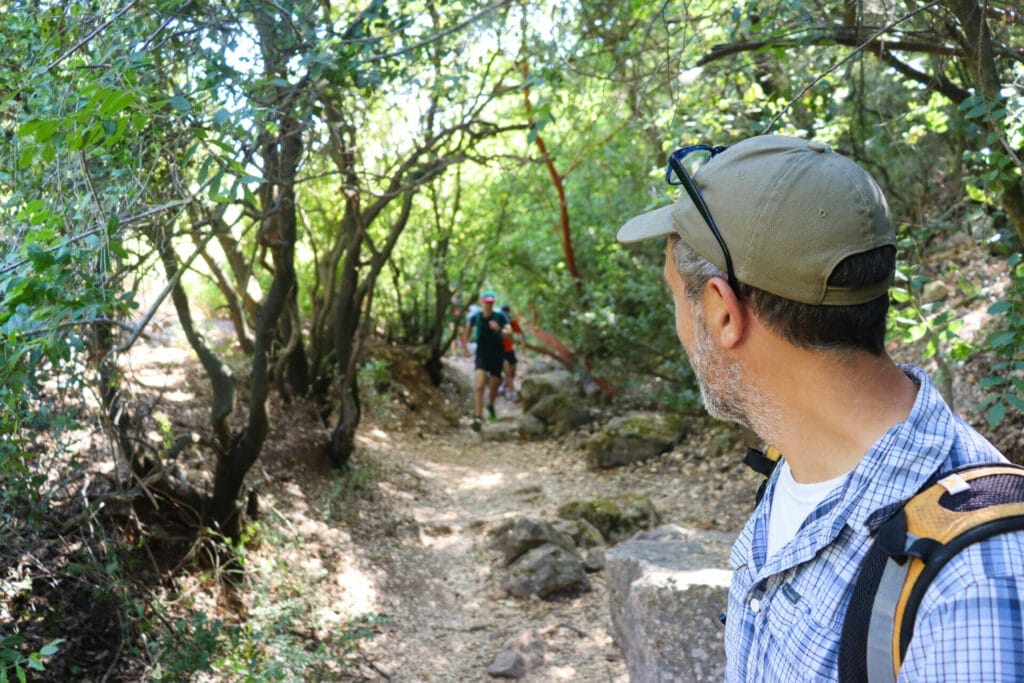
(500, 432)
(547, 572)
(667, 588)
(616, 517)
(516, 537)
(518, 656)
(531, 427)
(537, 385)
(634, 437)
(561, 413)
(583, 533)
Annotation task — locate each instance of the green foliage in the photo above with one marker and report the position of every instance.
(373, 378)
(351, 481)
(16, 666)
(53, 292)
(1004, 385)
(932, 323)
(267, 646)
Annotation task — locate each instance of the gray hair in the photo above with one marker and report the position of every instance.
(820, 328)
(694, 270)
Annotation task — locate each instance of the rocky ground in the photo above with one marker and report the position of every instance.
(414, 546)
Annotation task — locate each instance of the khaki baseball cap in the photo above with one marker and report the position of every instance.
(789, 210)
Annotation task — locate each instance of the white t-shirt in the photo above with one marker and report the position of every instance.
(792, 503)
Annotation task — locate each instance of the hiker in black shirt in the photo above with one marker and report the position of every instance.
(490, 327)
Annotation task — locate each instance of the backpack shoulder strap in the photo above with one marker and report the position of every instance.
(764, 463)
(953, 511)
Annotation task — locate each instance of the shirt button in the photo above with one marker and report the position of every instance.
(755, 605)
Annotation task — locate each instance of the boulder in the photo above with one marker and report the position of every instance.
(561, 413)
(583, 533)
(518, 656)
(531, 427)
(617, 517)
(526, 533)
(667, 588)
(634, 437)
(537, 385)
(547, 572)
(500, 432)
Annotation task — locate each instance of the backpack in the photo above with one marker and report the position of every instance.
(949, 513)
(957, 509)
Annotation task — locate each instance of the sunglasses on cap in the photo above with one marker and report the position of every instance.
(677, 174)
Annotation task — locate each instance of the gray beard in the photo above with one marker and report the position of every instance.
(723, 389)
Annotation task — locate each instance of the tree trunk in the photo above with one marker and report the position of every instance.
(346, 328)
(281, 160)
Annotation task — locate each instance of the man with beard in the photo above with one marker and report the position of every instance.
(779, 258)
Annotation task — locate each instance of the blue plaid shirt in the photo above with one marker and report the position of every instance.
(786, 614)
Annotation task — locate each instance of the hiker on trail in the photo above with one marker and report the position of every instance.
(490, 327)
(455, 326)
(508, 386)
(469, 344)
(779, 258)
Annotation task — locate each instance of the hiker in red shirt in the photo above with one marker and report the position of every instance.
(508, 389)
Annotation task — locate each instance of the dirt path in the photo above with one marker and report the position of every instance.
(414, 546)
(450, 616)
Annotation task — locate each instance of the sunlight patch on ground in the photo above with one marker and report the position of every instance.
(159, 368)
(179, 396)
(562, 673)
(360, 592)
(309, 561)
(372, 437)
(453, 543)
(484, 480)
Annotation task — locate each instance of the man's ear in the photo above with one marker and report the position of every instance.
(726, 317)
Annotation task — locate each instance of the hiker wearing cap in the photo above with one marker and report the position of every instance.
(490, 328)
(508, 386)
(779, 258)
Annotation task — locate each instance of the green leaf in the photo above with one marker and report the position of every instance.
(977, 112)
(115, 104)
(51, 648)
(1002, 339)
(40, 258)
(180, 103)
(1015, 401)
(999, 307)
(995, 414)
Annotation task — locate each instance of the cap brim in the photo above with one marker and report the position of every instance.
(487, 300)
(657, 223)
